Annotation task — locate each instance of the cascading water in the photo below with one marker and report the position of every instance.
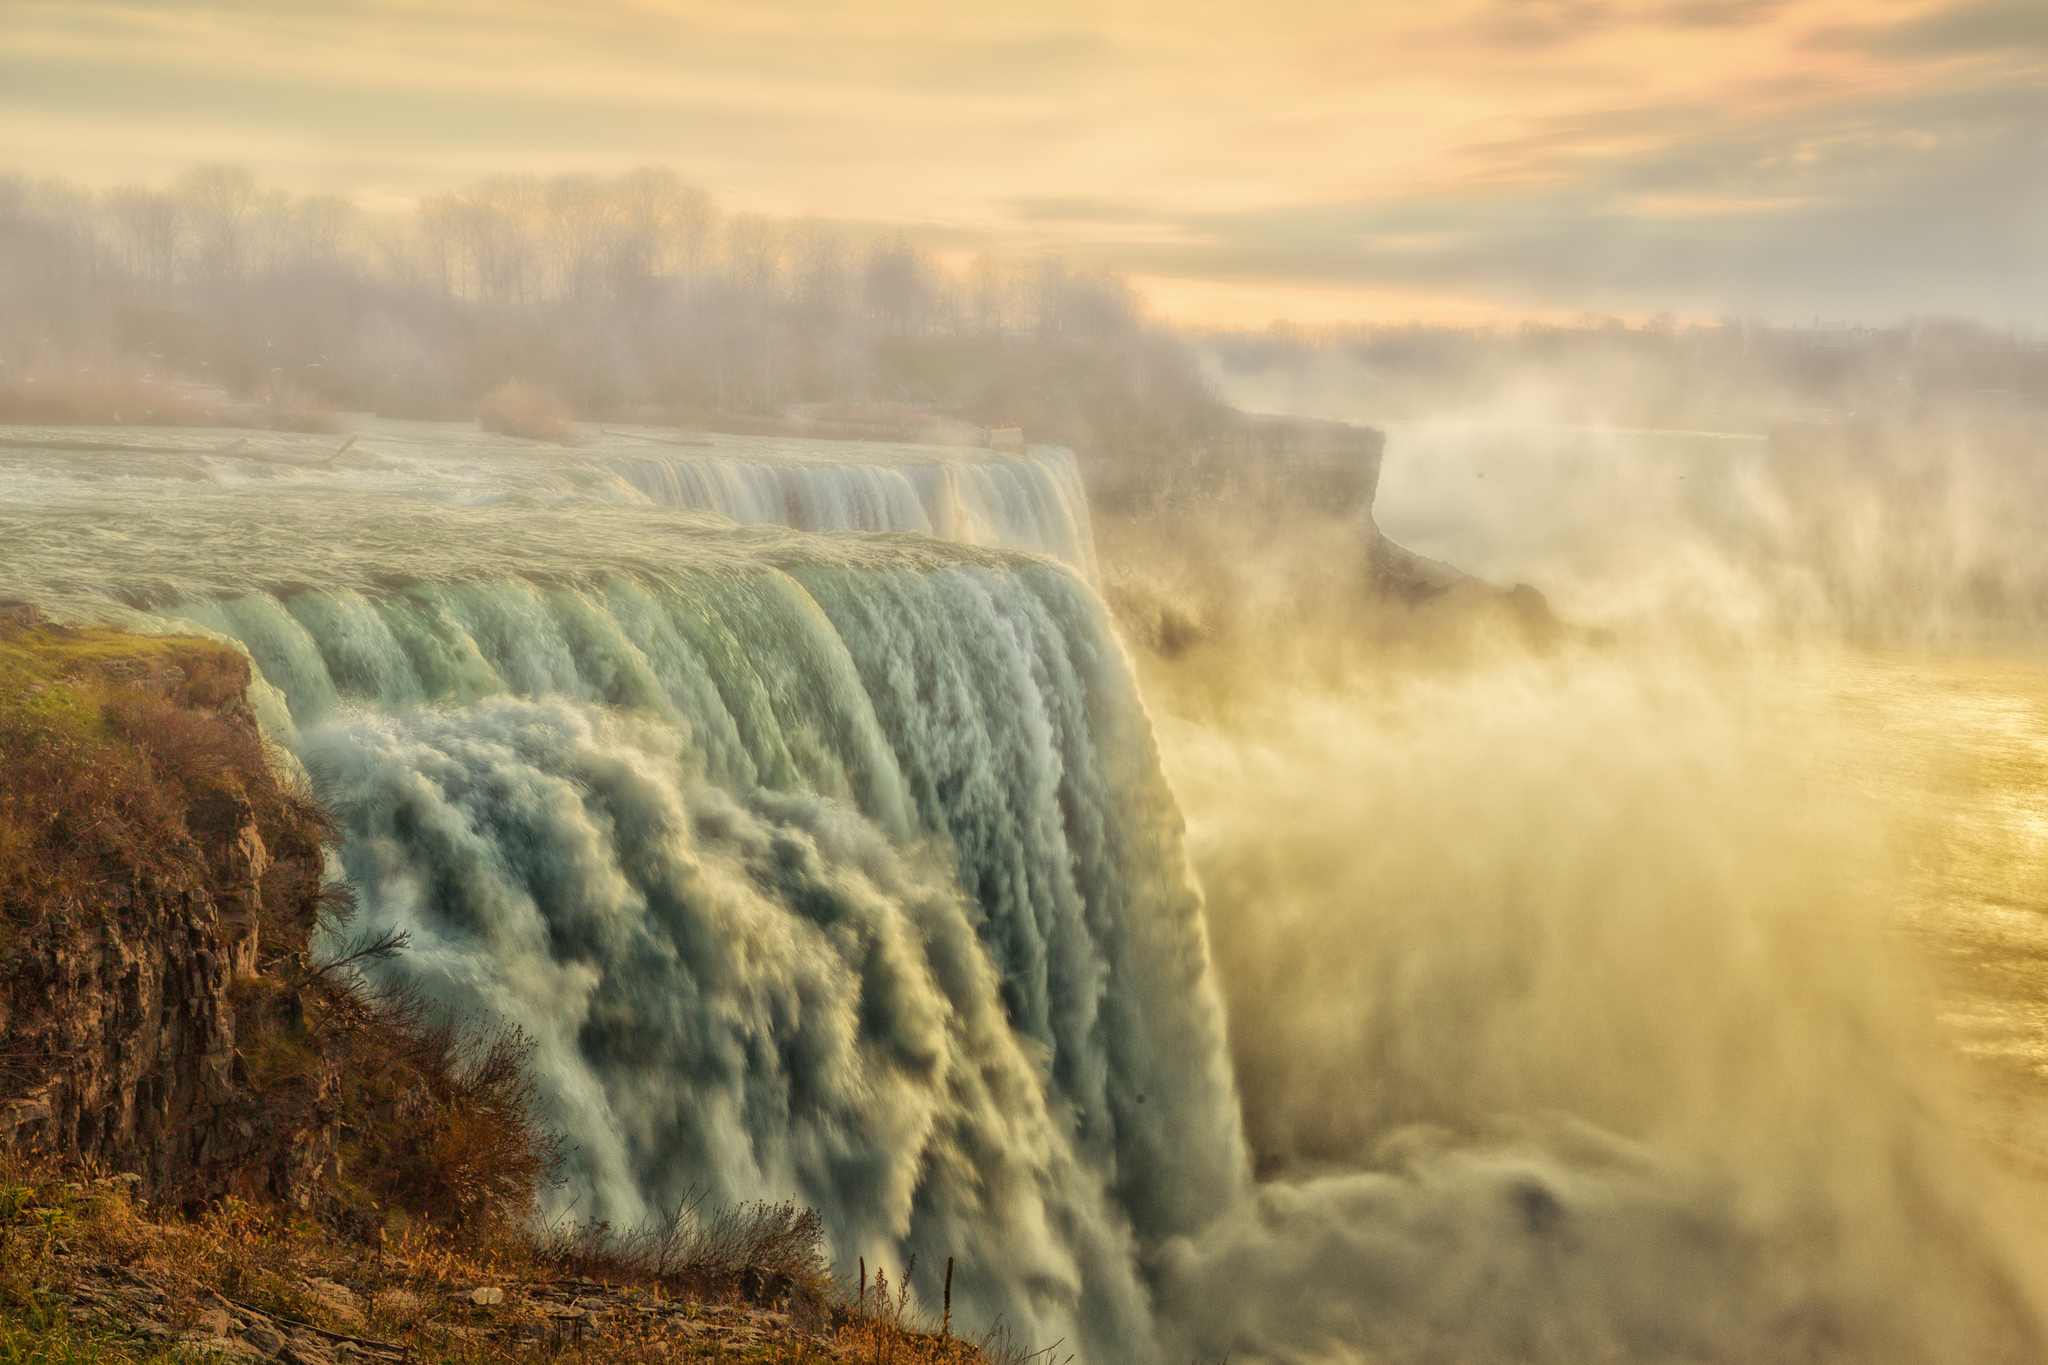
(834, 868)
(841, 868)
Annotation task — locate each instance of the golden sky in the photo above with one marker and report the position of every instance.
(1865, 158)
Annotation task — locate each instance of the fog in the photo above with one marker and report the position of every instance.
(617, 294)
(1659, 991)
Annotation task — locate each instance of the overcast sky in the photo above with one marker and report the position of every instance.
(1859, 159)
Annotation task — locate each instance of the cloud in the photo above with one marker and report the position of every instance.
(2005, 28)
(1931, 203)
(1548, 23)
(1503, 149)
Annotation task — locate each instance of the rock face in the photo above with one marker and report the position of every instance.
(130, 989)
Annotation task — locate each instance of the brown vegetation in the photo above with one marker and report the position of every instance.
(516, 409)
(89, 1274)
(134, 772)
(67, 389)
(64, 390)
(107, 742)
(279, 404)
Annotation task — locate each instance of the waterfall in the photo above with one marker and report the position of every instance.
(840, 867)
(818, 867)
(1032, 501)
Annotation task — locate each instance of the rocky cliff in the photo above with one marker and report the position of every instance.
(159, 887)
(163, 1011)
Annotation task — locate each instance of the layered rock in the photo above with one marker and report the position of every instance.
(164, 929)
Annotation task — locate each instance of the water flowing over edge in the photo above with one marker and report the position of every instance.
(859, 887)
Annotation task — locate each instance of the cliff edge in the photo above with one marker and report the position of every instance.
(163, 1009)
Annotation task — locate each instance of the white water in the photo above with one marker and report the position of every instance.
(842, 868)
(829, 867)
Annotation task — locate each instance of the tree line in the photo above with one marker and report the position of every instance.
(616, 292)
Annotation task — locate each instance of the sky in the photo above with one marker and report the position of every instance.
(1310, 160)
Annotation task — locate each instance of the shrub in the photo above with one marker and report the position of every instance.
(64, 389)
(119, 757)
(443, 1122)
(763, 1252)
(107, 746)
(517, 410)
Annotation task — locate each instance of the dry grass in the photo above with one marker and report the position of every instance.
(65, 1233)
(107, 742)
(68, 389)
(37, 1334)
(878, 1324)
(444, 1126)
(108, 745)
(752, 1251)
(515, 409)
(65, 391)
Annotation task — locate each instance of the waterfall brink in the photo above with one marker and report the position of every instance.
(1029, 500)
(833, 868)
(1023, 502)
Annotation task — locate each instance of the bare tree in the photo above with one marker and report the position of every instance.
(753, 250)
(218, 197)
(819, 268)
(325, 222)
(151, 224)
(898, 287)
(582, 222)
